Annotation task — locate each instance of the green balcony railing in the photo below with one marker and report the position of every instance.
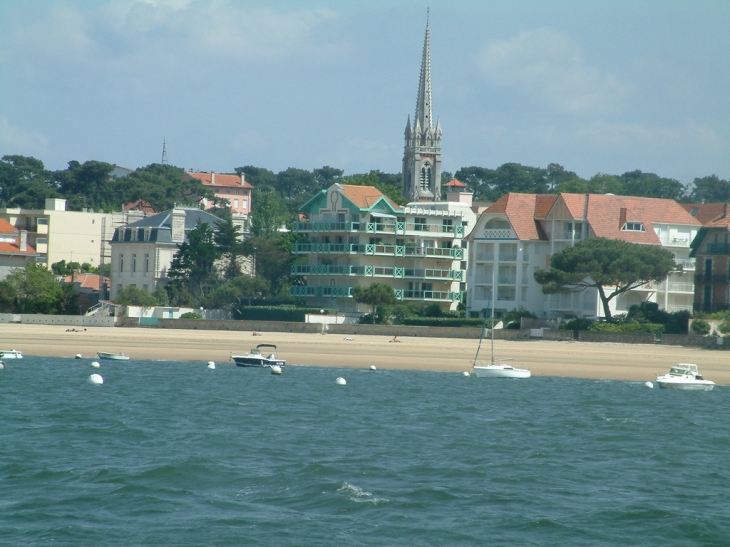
(375, 227)
(401, 294)
(377, 271)
(455, 253)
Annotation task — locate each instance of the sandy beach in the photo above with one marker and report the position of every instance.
(569, 359)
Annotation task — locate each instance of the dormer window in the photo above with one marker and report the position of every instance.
(634, 227)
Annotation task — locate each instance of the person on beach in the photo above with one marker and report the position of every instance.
(395, 339)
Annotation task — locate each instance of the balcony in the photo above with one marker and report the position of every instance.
(438, 296)
(710, 308)
(567, 235)
(455, 253)
(401, 294)
(686, 265)
(719, 279)
(378, 271)
(717, 248)
(681, 287)
(398, 228)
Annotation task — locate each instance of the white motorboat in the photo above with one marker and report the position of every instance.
(496, 368)
(10, 354)
(113, 356)
(257, 359)
(684, 376)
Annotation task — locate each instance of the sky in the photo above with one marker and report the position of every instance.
(603, 86)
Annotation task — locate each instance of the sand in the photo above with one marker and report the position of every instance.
(571, 359)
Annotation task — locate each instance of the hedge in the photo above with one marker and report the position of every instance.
(442, 322)
(650, 328)
(271, 313)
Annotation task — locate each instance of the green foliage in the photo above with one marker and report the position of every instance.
(190, 315)
(269, 211)
(577, 324)
(193, 266)
(134, 296)
(513, 319)
(229, 240)
(602, 263)
(63, 268)
(628, 327)
(375, 294)
(701, 327)
(649, 312)
(233, 293)
(710, 189)
(444, 322)
(267, 313)
(724, 327)
(36, 290)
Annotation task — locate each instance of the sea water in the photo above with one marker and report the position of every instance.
(174, 453)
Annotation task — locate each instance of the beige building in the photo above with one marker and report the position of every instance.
(57, 234)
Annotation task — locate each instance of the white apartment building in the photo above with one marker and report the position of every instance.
(519, 234)
(357, 236)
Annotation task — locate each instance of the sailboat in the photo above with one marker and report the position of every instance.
(496, 368)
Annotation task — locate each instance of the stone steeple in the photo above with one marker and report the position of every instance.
(422, 152)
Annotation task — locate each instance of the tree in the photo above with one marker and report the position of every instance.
(650, 185)
(605, 265)
(193, 266)
(273, 259)
(376, 294)
(36, 289)
(710, 189)
(228, 238)
(231, 295)
(133, 296)
(269, 211)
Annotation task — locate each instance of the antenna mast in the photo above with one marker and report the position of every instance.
(164, 152)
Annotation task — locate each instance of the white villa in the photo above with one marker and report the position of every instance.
(520, 232)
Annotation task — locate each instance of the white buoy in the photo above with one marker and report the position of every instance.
(341, 381)
(276, 369)
(373, 367)
(95, 364)
(649, 385)
(467, 373)
(211, 365)
(3, 366)
(78, 356)
(96, 379)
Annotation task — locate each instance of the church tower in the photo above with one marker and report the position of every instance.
(422, 152)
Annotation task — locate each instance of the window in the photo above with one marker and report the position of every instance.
(42, 221)
(419, 224)
(448, 225)
(426, 177)
(42, 241)
(235, 203)
(245, 203)
(134, 263)
(146, 263)
(121, 263)
(634, 227)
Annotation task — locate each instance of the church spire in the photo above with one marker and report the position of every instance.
(424, 112)
(422, 152)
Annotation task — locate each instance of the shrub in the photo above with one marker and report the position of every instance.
(628, 327)
(577, 324)
(724, 327)
(701, 327)
(269, 313)
(191, 315)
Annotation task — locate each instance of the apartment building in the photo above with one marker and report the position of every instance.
(232, 188)
(14, 248)
(520, 232)
(357, 236)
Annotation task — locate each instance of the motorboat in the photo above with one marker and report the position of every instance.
(10, 354)
(496, 368)
(113, 356)
(684, 376)
(256, 358)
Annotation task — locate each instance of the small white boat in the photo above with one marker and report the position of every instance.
(684, 376)
(10, 354)
(257, 359)
(496, 368)
(113, 356)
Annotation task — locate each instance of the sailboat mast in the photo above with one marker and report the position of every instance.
(491, 327)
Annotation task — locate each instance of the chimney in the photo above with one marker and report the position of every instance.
(622, 217)
(23, 240)
(75, 276)
(178, 225)
(212, 177)
(243, 178)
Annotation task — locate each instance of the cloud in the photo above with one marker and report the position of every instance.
(16, 140)
(548, 66)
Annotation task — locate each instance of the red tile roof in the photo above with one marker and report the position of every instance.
(522, 210)
(706, 212)
(220, 179)
(12, 248)
(87, 281)
(454, 183)
(7, 228)
(365, 197)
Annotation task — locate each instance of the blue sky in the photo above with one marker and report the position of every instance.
(597, 86)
